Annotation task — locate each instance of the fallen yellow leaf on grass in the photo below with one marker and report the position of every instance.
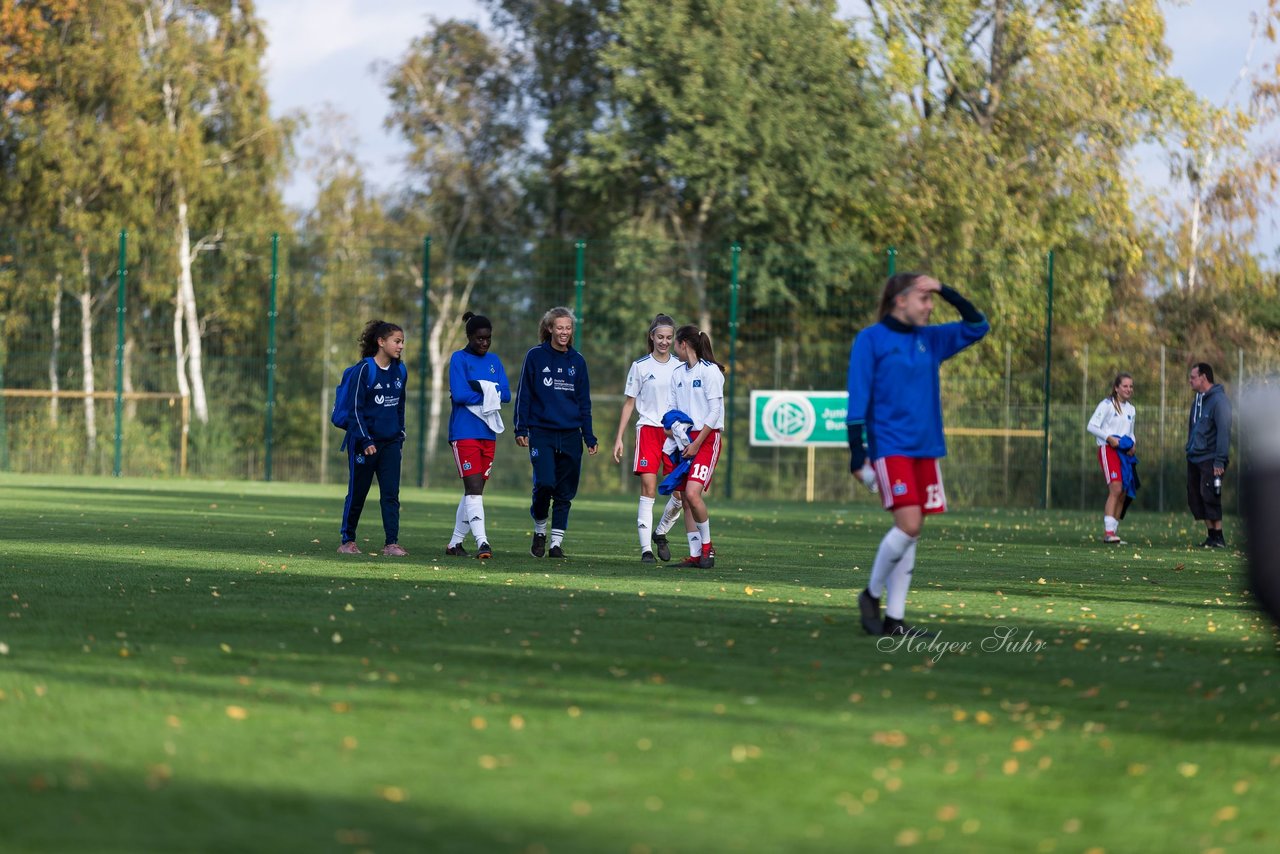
(1188, 769)
(1226, 814)
(237, 713)
(394, 794)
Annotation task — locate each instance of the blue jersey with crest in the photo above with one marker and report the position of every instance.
(554, 393)
(465, 366)
(894, 388)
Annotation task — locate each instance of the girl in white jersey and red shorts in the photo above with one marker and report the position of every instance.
(648, 385)
(697, 389)
(1112, 421)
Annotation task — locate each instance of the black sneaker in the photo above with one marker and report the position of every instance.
(898, 627)
(647, 557)
(708, 560)
(663, 546)
(869, 606)
(556, 551)
(484, 552)
(539, 545)
(1217, 541)
(456, 551)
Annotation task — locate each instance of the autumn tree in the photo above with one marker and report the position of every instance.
(218, 152)
(743, 120)
(455, 101)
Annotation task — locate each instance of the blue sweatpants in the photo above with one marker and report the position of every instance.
(361, 468)
(556, 456)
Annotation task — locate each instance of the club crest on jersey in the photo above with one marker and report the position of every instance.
(360, 459)
(697, 383)
(533, 452)
(466, 466)
(572, 370)
(644, 462)
(397, 383)
(920, 346)
(492, 369)
(899, 488)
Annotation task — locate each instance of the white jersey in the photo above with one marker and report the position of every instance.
(649, 382)
(699, 393)
(1106, 421)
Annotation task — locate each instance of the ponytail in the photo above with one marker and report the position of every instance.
(692, 336)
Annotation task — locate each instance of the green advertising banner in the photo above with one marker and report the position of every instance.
(799, 419)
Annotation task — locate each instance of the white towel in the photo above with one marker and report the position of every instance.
(679, 438)
(490, 411)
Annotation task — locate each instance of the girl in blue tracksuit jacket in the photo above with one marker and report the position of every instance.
(375, 434)
(553, 420)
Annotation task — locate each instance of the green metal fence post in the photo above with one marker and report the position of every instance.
(579, 285)
(423, 364)
(121, 277)
(733, 360)
(272, 314)
(892, 257)
(1048, 368)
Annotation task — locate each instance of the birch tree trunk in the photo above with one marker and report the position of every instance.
(180, 350)
(86, 355)
(55, 324)
(187, 299)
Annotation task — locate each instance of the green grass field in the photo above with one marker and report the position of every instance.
(188, 666)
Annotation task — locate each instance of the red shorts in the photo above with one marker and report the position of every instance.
(911, 482)
(649, 458)
(473, 456)
(704, 464)
(1110, 462)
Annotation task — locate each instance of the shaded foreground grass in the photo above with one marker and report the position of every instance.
(189, 666)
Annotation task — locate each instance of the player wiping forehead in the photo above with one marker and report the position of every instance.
(895, 399)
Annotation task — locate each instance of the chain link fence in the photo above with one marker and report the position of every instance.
(242, 386)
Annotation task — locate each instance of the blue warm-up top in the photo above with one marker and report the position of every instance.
(893, 384)
(377, 407)
(554, 393)
(465, 366)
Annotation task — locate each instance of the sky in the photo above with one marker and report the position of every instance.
(326, 52)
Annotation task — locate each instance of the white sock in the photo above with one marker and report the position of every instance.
(557, 537)
(475, 517)
(540, 526)
(900, 583)
(704, 531)
(1109, 523)
(460, 525)
(892, 547)
(670, 514)
(644, 524)
(695, 544)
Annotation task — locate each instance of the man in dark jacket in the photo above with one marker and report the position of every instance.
(1208, 439)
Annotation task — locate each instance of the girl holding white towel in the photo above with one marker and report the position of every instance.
(473, 428)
